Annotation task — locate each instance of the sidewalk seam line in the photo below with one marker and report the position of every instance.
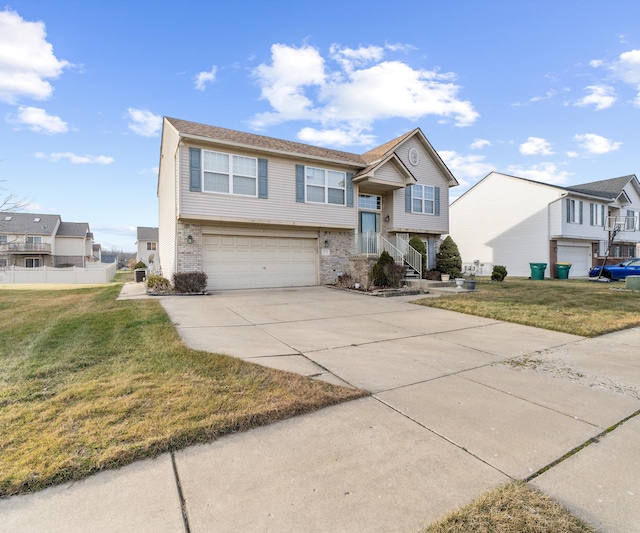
(183, 502)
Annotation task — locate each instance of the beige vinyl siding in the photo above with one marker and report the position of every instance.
(427, 173)
(69, 246)
(168, 201)
(504, 221)
(279, 208)
(389, 174)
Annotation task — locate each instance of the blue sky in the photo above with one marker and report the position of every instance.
(547, 90)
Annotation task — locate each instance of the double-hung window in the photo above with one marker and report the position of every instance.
(325, 186)
(422, 199)
(230, 174)
(632, 220)
(151, 246)
(574, 211)
(597, 214)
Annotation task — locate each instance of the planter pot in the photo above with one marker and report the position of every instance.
(471, 284)
(444, 277)
(459, 283)
(356, 285)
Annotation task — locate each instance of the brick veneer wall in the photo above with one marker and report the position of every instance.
(190, 255)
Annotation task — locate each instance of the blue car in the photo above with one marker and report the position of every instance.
(630, 267)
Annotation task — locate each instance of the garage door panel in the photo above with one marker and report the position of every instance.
(243, 262)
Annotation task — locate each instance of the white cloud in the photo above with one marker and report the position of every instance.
(536, 146)
(361, 89)
(478, 144)
(595, 63)
(399, 47)
(39, 121)
(573, 154)
(544, 172)
(546, 96)
(596, 144)
(205, 77)
(76, 159)
(26, 59)
(144, 122)
(602, 97)
(465, 166)
(336, 137)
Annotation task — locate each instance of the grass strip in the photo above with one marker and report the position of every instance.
(89, 383)
(579, 307)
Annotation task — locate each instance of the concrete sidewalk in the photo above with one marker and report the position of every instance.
(459, 405)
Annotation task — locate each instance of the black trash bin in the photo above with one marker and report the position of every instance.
(139, 274)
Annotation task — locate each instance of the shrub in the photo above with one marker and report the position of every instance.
(395, 274)
(499, 273)
(140, 264)
(432, 275)
(448, 260)
(378, 275)
(158, 283)
(189, 282)
(418, 244)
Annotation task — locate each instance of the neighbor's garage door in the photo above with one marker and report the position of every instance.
(242, 262)
(579, 257)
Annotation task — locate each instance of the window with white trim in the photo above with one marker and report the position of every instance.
(3, 239)
(597, 214)
(229, 174)
(370, 201)
(34, 239)
(151, 246)
(422, 199)
(632, 220)
(325, 186)
(573, 211)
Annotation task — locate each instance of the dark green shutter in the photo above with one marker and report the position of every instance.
(580, 212)
(349, 189)
(194, 170)
(592, 208)
(407, 198)
(299, 183)
(568, 203)
(436, 193)
(263, 179)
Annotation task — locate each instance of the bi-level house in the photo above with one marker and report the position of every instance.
(254, 211)
(32, 240)
(511, 221)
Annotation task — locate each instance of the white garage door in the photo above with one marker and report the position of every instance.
(242, 262)
(578, 256)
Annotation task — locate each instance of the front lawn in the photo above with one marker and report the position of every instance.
(580, 307)
(89, 383)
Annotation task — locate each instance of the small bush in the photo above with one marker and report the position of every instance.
(158, 283)
(140, 264)
(189, 282)
(395, 274)
(448, 260)
(378, 275)
(499, 273)
(432, 275)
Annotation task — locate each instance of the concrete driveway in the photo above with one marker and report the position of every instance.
(459, 405)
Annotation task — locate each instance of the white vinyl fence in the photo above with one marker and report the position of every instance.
(100, 273)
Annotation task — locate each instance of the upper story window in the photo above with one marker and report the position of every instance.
(370, 201)
(574, 211)
(230, 174)
(151, 245)
(325, 186)
(34, 239)
(596, 213)
(422, 199)
(632, 220)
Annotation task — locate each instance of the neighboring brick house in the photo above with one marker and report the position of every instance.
(147, 246)
(31, 240)
(254, 211)
(511, 221)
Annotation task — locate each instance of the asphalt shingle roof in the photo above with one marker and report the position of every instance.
(147, 234)
(73, 229)
(609, 189)
(27, 223)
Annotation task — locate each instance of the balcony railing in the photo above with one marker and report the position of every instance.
(25, 248)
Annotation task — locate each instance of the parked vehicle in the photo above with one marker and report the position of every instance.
(630, 267)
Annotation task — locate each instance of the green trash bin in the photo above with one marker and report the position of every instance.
(537, 270)
(563, 270)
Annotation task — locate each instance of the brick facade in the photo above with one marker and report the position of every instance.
(189, 255)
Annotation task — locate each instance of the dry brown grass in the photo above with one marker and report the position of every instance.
(579, 307)
(511, 508)
(89, 383)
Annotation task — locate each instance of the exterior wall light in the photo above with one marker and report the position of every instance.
(190, 239)
(326, 244)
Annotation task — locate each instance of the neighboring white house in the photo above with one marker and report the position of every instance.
(147, 246)
(32, 240)
(254, 211)
(511, 221)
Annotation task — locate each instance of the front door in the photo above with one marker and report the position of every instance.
(369, 227)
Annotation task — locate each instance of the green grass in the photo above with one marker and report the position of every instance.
(89, 383)
(579, 307)
(511, 508)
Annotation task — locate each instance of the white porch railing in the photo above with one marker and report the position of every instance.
(375, 243)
